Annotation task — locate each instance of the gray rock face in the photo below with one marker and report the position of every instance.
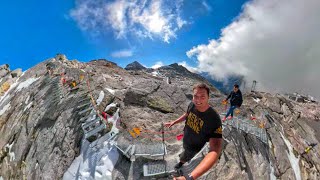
(41, 133)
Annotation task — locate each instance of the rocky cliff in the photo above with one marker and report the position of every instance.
(42, 133)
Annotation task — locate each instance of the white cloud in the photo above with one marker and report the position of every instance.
(206, 5)
(157, 65)
(116, 16)
(142, 18)
(190, 68)
(122, 53)
(274, 42)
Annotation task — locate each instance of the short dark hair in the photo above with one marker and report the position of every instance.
(236, 86)
(201, 86)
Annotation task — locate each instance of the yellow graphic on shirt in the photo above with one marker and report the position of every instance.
(194, 122)
(219, 130)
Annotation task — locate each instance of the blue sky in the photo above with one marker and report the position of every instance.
(274, 42)
(33, 31)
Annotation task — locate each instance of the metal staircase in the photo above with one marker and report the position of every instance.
(247, 127)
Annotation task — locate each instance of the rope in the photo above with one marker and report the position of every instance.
(157, 132)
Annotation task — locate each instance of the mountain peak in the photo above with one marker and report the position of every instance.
(135, 65)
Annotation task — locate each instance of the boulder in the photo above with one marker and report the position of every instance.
(61, 57)
(3, 72)
(159, 104)
(16, 73)
(5, 66)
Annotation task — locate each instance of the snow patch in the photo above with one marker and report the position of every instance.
(11, 154)
(110, 90)
(114, 119)
(272, 176)
(155, 73)
(5, 108)
(110, 106)
(23, 73)
(256, 100)
(26, 83)
(93, 163)
(5, 98)
(101, 96)
(294, 161)
(27, 100)
(28, 106)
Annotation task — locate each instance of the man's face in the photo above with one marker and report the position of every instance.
(200, 97)
(235, 89)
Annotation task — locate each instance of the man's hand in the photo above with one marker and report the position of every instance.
(224, 102)
(179, 178)
(169, 124)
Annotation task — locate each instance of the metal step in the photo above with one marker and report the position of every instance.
(154, 169)
(84, 94)
(84, 100)
(85, 111)
(74, 89)
(158, 168)
(83, 119)
(153, 150)
(124, 151)
(123, 145)
(53, 82)
(83, 105)
(95, 131)
(90, 123)
(105, 138)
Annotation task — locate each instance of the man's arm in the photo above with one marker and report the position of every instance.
(181, 118)
(229, 96)
(210, 159)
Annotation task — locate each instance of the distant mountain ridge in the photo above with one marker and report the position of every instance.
(175, 69)
(224, 86)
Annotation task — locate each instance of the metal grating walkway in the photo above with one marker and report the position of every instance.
(157, 149)
(247, 127)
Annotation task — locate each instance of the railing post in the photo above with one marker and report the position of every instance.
(164, 148)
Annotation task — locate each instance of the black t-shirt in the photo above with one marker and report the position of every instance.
(200, 127)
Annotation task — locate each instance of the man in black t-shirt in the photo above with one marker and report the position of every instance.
(203, 124)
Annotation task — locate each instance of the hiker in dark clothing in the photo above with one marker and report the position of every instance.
(235, 101)
(202, 124)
